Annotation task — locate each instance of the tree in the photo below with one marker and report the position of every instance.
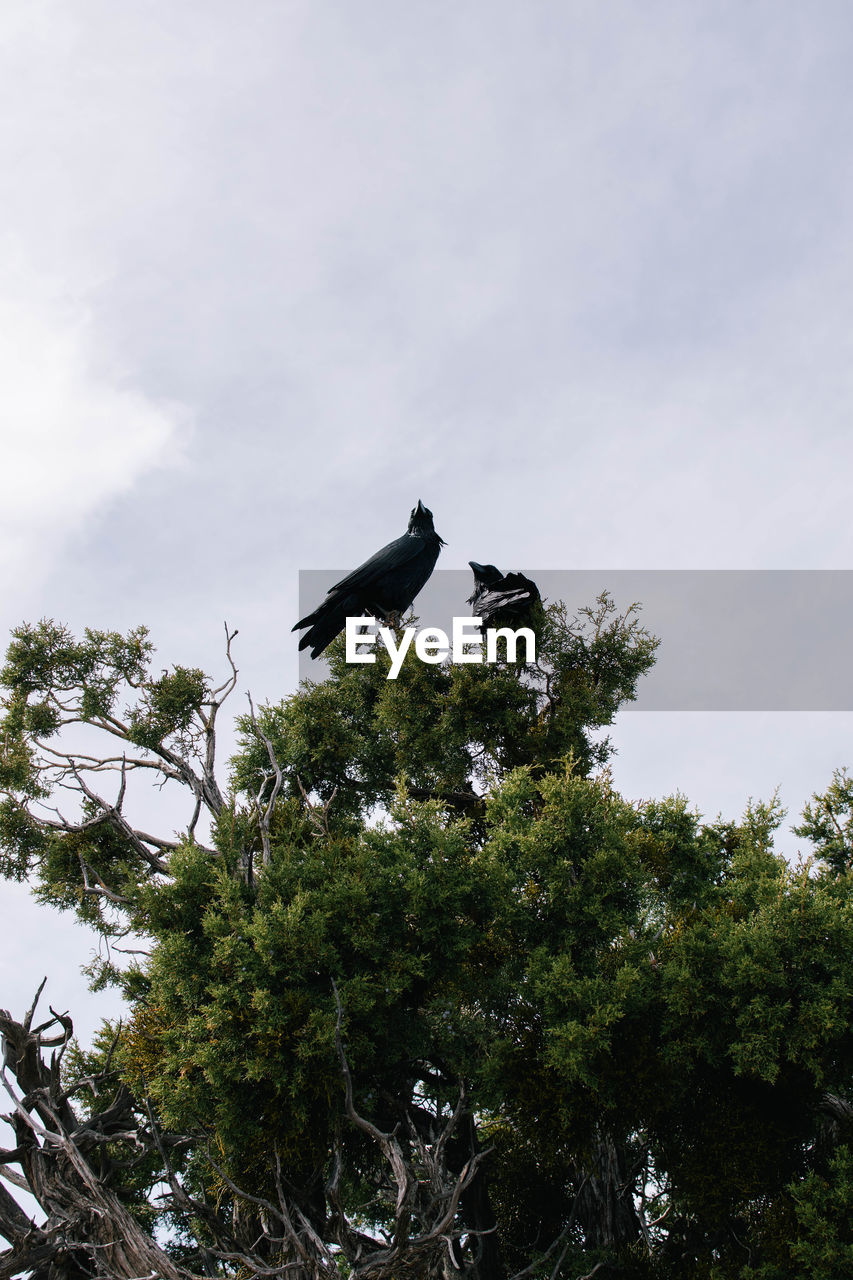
(430, 998)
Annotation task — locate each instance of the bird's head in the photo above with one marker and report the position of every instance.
(486, 575)
(420, 521)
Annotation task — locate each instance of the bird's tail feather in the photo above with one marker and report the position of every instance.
(325, 623)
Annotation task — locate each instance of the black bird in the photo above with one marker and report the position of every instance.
(384, 586)
(501, 597)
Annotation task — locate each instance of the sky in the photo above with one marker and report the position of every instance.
(578, 274)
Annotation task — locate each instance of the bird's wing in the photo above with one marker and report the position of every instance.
(518, 582)
(397, 553)
(492, 601)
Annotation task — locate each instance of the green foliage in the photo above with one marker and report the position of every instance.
(167, 707)
(648, 1012)
(22, 841)
(45, 660)
(547, 961)
(59, 690)
(824, 1209)
(450, 729)
(828, 823)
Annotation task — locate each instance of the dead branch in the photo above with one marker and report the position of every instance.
(264, 812)
(100, 890)
(318, 814)
(426, 1194)
(85, 1221)
(590, 1274)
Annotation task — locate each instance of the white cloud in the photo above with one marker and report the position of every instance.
(73, 433)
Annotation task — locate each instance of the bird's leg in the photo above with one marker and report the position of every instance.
(390, 617)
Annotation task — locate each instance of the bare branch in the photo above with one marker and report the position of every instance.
(28, 1017)
(15, 1226)
(84, 1218)
(16, 1179)
(277, 777)
(229, 685)
(590, 1274)
(435, 1213)
(113, 815)
(100, 890)
(318, 814)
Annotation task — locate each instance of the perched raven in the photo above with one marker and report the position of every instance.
(501, 597)
(384, 586)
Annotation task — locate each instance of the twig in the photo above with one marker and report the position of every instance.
(265, 814)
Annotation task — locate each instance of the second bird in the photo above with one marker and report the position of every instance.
(501, 597)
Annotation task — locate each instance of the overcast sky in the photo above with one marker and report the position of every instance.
(578, 274)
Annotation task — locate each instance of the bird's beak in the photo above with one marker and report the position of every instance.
(420, 508)
(479, 569)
